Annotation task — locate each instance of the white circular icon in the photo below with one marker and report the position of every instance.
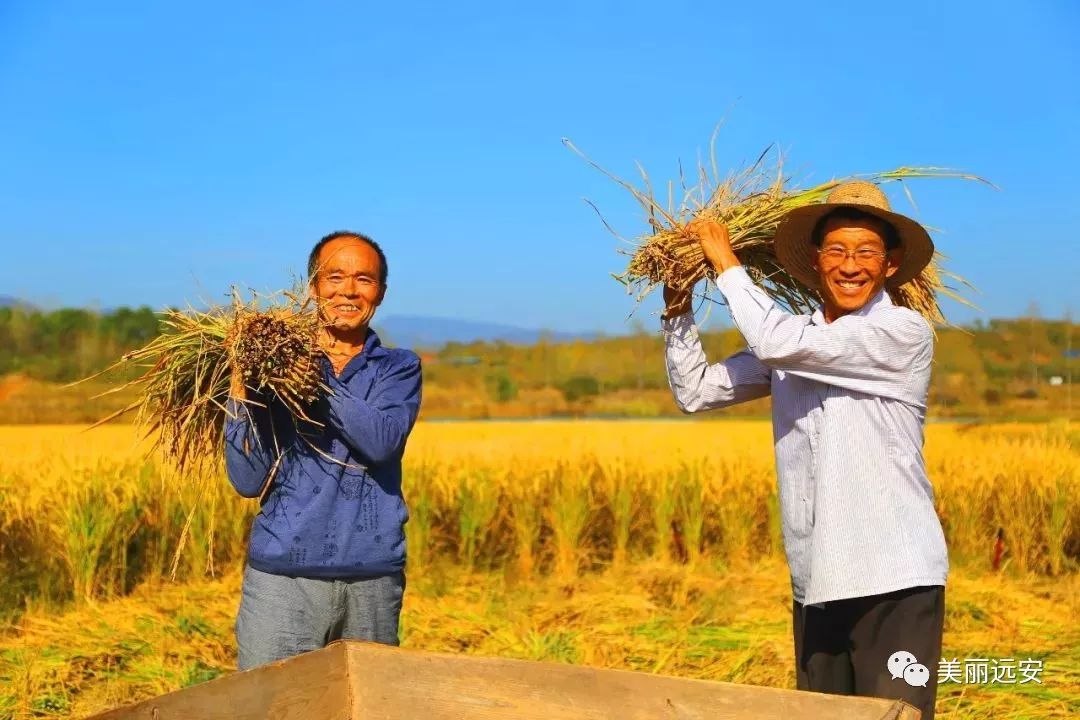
(898, 661)
(916, 675)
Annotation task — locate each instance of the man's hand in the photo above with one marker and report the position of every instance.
(676, 302)
(715, 243)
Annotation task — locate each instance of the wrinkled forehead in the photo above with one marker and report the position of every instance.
(854, 232)
(350, 255)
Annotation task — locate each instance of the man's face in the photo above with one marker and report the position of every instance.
(346, 283)
(848, 283)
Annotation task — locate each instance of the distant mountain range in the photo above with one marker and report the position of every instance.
(9, 301)
(431, 332)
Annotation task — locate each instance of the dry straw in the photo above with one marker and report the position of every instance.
(751, 202)
(272, 341)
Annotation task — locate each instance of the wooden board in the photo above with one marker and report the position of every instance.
(390, 684)
(311, 686)
(362, 681)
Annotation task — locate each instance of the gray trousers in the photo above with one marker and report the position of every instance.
(282, 616)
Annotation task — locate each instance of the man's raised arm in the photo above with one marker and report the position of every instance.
(695, 384)
(877, 353)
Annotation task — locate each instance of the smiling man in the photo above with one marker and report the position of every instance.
(849, 386)
(326, 556)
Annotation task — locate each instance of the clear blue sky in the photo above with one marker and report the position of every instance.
(153, 154)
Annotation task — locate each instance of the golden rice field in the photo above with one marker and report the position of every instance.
(650, 545)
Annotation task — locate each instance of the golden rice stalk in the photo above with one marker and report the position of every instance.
(184, 386)
(751, 202)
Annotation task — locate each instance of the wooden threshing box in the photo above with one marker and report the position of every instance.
(361, 681)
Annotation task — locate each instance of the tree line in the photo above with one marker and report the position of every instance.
(976, 367)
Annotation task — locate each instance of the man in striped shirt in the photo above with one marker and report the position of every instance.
(849, 386)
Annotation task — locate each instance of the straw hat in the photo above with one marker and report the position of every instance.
(796, 251)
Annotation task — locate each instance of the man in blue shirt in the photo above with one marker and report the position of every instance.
(326, 555)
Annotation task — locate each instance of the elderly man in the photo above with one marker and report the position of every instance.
(326, 556)
(849, 385)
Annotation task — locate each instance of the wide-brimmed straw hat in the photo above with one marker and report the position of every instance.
(796, 250)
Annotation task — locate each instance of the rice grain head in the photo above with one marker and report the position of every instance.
(751, 202)
(271, 340)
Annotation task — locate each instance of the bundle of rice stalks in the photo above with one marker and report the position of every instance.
(183, 388)
(751, 202)
(277, 353)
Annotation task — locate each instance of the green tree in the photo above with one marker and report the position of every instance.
(501, 388)
(580, 387)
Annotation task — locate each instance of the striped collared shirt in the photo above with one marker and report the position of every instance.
(848, 407)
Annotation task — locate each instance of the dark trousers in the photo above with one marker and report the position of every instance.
(845, 647)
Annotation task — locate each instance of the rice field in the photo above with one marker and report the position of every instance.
(649, 545)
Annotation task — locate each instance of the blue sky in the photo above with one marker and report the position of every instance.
(158, 153)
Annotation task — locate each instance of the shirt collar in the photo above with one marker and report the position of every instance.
(373, 349)
(879, 301)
